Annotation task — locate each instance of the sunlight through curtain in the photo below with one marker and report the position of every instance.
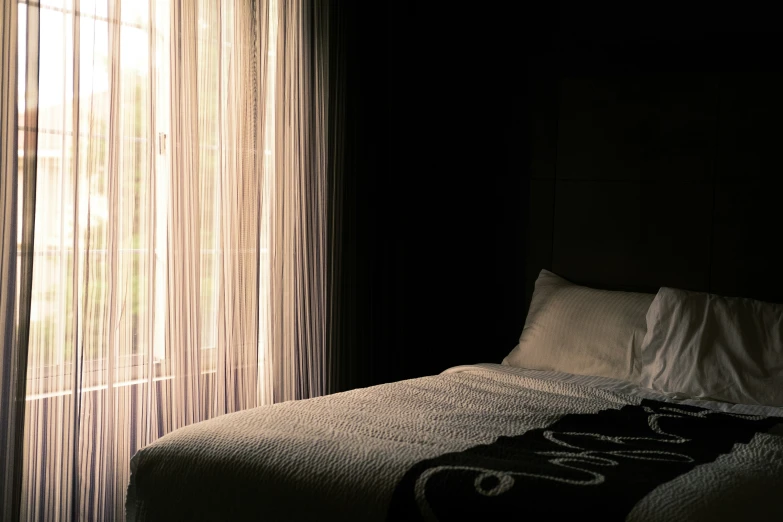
(173, 162)
(13, 354)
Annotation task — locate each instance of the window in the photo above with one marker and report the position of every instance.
(104, 200)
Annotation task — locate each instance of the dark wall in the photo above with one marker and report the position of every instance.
(441, 191)
(656, 160)
(456, 198)
(453, 109)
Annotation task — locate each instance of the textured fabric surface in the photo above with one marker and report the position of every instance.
(12, 362)
(340, 457)
(171, 240)
(712, 347)
(576, 329)
(604, 463)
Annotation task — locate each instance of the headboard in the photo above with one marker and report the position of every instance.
(658, 164)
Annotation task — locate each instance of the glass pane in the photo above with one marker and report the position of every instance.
(96, 8)
(21, 58)
(210, 34)
(135, 13)
(107, 213)
(132, 215)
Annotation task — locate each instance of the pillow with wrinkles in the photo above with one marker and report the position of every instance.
(706, 346)
(580, 330)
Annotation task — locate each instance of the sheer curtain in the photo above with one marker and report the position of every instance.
(170, 230)
(12, 357)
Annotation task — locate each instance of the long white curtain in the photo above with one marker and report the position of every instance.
(176, 157)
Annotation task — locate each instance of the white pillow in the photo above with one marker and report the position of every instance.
(580, 330)
(706, 346)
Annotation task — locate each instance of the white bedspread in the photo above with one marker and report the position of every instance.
(340, 457)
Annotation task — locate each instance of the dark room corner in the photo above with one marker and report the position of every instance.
(457, 144)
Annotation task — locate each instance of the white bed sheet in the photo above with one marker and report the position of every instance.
(623, 387)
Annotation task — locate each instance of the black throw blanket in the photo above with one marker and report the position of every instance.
(583, 466)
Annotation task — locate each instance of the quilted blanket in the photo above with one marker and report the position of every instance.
(479, 441)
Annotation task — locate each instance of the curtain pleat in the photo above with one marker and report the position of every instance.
(330, 36)
(12, 363)
(171, 235)
(184, 246)
(300, 204)
(18, 251)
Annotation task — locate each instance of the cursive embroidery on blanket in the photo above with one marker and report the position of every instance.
(615, 453)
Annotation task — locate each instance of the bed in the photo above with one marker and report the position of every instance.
(642, 393)
(617, 437)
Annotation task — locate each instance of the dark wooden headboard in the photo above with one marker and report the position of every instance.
(659, 164)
